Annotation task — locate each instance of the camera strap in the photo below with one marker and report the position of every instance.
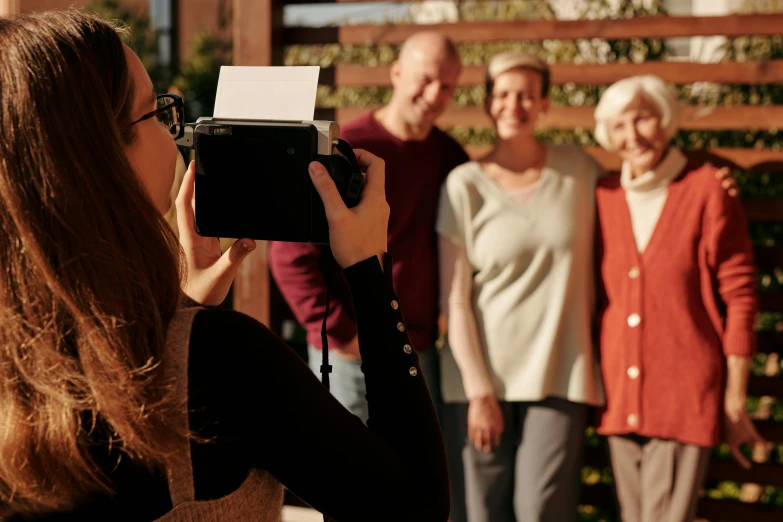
(326, 368)
(346, 150)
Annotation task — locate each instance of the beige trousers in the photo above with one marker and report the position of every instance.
(657, 480)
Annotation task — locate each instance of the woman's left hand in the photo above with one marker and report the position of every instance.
(739, 430)
(209, 274)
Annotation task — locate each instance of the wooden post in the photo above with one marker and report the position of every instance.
(258, 31)
(9, 7)
(257, 26)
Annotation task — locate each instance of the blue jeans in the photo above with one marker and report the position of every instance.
(346, 382)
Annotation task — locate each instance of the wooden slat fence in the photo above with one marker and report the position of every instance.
(680, 73)
(769, 385)
(538, 30)
(694, 117)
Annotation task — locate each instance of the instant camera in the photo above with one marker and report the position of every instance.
(252, 177)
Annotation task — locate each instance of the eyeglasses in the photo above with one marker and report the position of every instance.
(170, 112)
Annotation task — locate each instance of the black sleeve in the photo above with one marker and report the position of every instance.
(261, 399)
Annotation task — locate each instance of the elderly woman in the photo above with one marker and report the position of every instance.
(516, 252)
(677, 307)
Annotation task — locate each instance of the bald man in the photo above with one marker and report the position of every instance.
(418, 157)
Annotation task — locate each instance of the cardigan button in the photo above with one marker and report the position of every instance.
(634, 272)
(632, 419)
(395, 305)
(634, 320)
(633, 372)
(401, 327)
(413, 371)
(407, 349)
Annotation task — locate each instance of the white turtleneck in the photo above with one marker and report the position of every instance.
(646, 193)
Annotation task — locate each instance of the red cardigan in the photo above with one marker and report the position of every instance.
(669, 316)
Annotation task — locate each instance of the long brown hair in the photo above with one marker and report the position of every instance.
(90, 275)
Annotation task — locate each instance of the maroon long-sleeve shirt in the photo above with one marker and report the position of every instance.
(414, 173)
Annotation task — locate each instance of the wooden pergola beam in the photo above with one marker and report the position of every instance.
(747, 159)
(694, 117)
(539, 30)
(680, 73)
(257, 27)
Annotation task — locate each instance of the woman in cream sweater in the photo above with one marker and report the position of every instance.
(516, 250)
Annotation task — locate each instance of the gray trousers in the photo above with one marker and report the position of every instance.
(657, 480)
(534, 475)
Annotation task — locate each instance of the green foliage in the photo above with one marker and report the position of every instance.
(760, 184)
(199, 75)
(510, 10)
(142, 37)
(761, 6)
(333, 54)
(754, 48)
(593, 514)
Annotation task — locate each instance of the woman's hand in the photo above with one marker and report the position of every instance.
(210, 274)
(485, 422)
(358, 233)
(739, 429)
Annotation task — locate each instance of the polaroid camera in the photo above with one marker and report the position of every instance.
(252, 179)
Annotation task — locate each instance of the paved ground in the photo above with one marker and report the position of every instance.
(297, 514)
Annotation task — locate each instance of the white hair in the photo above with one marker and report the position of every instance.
(620, 94)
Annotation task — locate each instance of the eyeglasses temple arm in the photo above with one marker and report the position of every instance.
(187, 137)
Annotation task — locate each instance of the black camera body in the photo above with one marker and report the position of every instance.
(252, 177)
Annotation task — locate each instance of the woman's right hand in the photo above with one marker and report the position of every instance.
(485, 423)
(358, 233)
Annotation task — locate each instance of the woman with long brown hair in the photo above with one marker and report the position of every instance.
(116, 404)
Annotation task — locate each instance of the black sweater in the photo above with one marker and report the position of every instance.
(266, 409)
